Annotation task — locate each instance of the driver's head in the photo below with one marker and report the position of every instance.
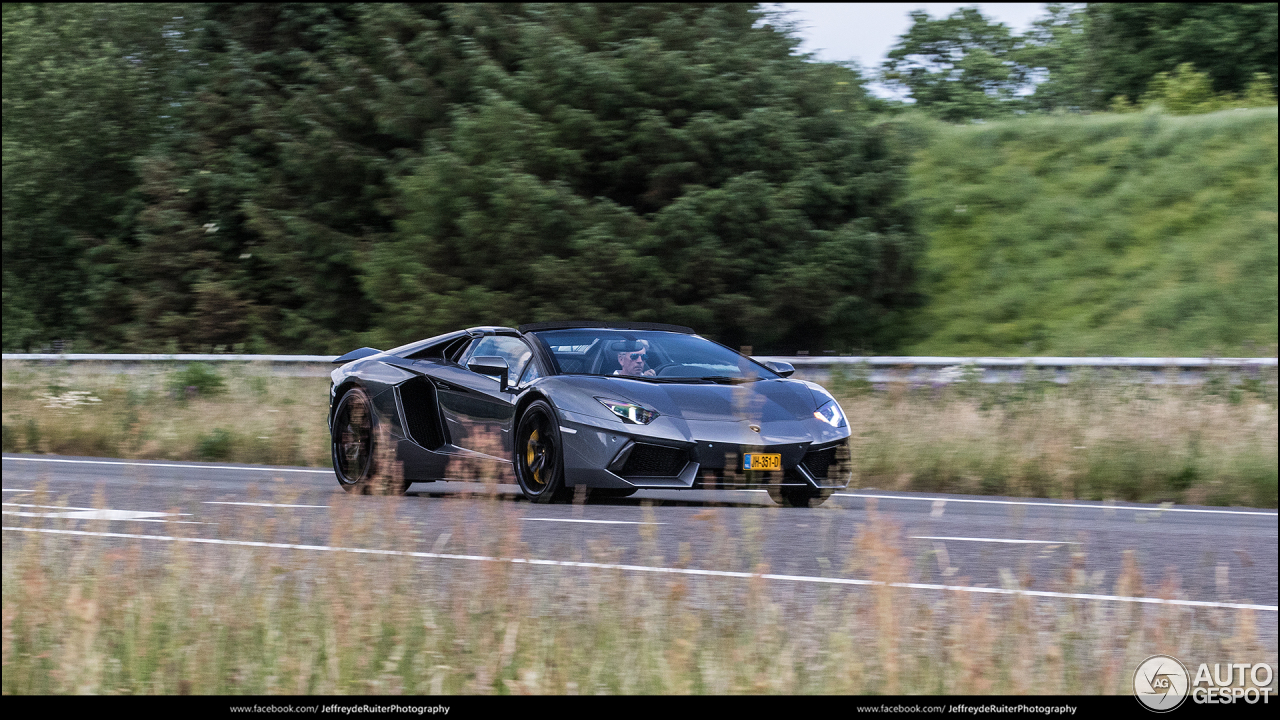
(631, 355)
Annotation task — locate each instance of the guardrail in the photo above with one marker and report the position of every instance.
(878, 369)
(932, 369)
(130, 363)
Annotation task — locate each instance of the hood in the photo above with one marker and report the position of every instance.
(760, 401)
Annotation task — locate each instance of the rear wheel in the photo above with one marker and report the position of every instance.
(356, 448)
(539, 455)
(799, 496)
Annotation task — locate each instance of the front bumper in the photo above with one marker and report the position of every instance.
(612, 457)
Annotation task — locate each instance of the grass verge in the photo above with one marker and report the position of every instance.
(1142, 234)
(233, 413)
(1100, 437)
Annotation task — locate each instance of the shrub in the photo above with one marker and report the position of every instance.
(215, 445)
(198, 379)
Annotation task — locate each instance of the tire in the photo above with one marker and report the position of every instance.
(356, 447)
(799, 496)
(539, 455)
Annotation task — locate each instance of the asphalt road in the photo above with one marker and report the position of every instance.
(1219, 555)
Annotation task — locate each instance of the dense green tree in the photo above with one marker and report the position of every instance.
(308, 177)
(322, 175)
(958, 68)
(1131, 42)
(1081, 57)
(1056, 51)
(673, 163)
(86, 91)
(298, 120)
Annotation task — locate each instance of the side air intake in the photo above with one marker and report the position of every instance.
(829, 462)
(421, 413)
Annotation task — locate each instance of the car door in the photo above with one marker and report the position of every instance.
(478, 413)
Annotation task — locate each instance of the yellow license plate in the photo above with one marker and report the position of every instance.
(761, 461)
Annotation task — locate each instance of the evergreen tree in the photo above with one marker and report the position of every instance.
(299, 118)
(633, 162)
(86, 91)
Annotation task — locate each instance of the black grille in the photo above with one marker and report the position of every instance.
(420, 414)
(652, 460)
(820, 462)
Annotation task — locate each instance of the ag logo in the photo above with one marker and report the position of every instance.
(1160, 683)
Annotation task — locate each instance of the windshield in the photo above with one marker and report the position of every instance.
(645, 354)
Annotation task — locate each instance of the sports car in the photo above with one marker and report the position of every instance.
(583, 409)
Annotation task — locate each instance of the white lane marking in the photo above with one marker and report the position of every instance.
(995, 540)
(83, 513)
(664, 570)
(16, 490)
(1147, 508)
(91, 515)
(98, 515)
(55, 507)
(173, 465)
(601, 522)
(217, 502)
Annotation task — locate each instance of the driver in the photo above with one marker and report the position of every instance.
(631, 356)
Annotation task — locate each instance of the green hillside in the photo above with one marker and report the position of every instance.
(1131, 234)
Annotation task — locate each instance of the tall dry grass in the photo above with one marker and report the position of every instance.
(1097, 438)
(99, 615)
(236, 413)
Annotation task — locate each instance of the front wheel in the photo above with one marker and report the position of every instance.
(539, 455)
(799, 496)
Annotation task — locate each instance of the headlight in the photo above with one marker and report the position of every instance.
(629, 412)
(830, 414)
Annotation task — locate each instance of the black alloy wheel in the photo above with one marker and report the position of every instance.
(539, 455)
(355, 447)
(799, 496)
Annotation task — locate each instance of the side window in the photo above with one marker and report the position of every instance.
(513, 350)
(455, 350)
(530, 374)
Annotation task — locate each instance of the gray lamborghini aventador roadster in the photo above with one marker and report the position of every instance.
(601, 409)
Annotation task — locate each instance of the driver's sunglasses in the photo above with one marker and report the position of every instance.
(636, 355)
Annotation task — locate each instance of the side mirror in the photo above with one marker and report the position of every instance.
(490, 365)
(782, 368)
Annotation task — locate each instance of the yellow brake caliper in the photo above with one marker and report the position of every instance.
(530, 456)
